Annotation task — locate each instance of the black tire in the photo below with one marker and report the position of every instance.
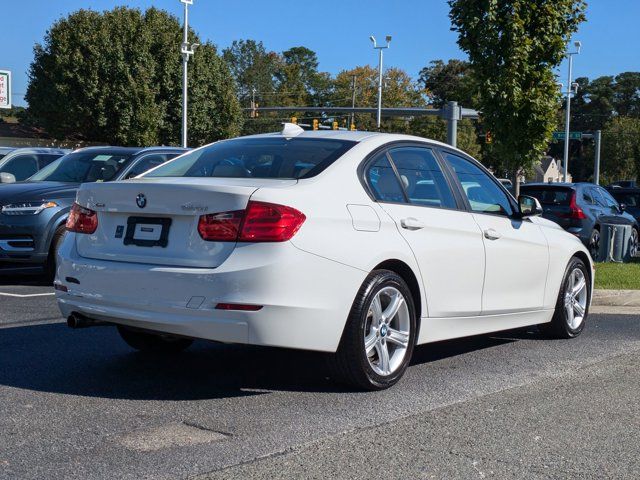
(350, 364)
(594, 244)
(56, 241)
(559, 327)
(153, 342)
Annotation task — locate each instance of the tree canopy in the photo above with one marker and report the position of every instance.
(513, 46)
(114, 77)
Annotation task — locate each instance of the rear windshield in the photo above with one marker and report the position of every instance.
(630, 199)
(549, 196)
(277, 157)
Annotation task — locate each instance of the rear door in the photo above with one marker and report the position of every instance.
(410, 185)
(516, 250)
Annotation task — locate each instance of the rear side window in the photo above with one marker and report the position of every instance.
(422, 177)
(265, 157)
(383, 181)
(550, 196)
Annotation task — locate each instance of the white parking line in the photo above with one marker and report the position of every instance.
(17, 295)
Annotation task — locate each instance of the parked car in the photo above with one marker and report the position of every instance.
(21, 163)
(33, 213)
(579, 209)
(630, 198)
(5, 150)
(622, 184)
(361, 244)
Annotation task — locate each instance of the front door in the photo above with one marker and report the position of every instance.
(517, 253)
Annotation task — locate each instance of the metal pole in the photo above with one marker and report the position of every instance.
(596, 166)
(567, 120)
(379, 117)
(185, 62)
(353, 101)
(452, 122)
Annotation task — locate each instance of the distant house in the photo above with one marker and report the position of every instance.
(549, 170)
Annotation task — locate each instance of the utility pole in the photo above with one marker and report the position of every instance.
(380, 49)
(253, 102)
(596, 166)
(186, 50)
(353, 101)
(567, 120)
(452, 115)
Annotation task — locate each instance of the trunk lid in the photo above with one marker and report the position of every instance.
(155, 220)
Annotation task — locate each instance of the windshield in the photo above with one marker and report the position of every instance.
(266, 157)
(82, 167)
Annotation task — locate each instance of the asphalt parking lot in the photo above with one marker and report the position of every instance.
(81, 404)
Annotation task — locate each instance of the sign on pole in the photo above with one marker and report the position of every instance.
(5, 89)
(572, 135)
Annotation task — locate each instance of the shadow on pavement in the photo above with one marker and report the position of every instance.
(36, 279)
(96, 363)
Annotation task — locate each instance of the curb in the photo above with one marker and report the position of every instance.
(616, 298)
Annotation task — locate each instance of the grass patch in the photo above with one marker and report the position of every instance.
(618, 276)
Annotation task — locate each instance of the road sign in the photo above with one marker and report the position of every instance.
(572, 135)
(5, 89)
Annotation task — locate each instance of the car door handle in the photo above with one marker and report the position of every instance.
(492, 234)
(411, 223)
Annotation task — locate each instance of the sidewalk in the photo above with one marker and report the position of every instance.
(616, 298)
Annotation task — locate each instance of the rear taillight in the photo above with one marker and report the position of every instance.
(260, 222)
(82, 220)
(575, 212)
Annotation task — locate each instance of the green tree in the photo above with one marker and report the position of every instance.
(115, 77)
(621, 149)
(253, 67)
(399, 91)
(299, 81)
(513, 46)
(453, 80)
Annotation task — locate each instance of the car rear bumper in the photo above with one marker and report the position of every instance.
(303, 304)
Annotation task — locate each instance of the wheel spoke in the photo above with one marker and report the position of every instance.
(370, 341)
(577, 287)
(579, 309)
(383, 357)
(392, 309)
(397, 337)
(568, 307)
(376, 309)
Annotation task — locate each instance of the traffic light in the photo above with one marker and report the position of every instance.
(294, 120)
(353, 127)
(488, 138)
(315, 124)
(334, 125)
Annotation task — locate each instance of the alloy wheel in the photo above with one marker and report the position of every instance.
(633, 243)
(594, 244)
(387, 331)
(575, 298)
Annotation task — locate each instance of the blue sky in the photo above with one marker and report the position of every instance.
(337, 30)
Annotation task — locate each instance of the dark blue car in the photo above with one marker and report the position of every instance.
(33, 213)
(580, 208)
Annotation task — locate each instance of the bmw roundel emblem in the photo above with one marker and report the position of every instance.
(141, 200)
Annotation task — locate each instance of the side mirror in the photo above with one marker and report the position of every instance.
(529, 206)
(623, 207)
(7, 177)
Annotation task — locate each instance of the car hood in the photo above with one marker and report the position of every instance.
(34, 191)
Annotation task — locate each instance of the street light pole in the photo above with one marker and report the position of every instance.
(380, 49)
(186, 49)
(567, 120)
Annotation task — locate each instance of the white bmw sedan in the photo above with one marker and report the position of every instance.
(354, 243)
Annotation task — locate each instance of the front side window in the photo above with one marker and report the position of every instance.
(264, 157)
(424, 181)
(81, 167)
(21, 166)
(483, 193)
(148, 162)
(383, 180)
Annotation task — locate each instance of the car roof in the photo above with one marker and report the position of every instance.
(39, 150)
(557, 184)
(128, 150)
(354, 136)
